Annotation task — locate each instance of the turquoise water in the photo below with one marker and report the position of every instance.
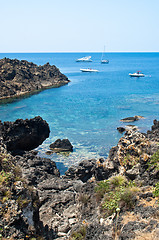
(88, 110)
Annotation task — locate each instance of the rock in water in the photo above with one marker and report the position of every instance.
(131, 119)
(25, 134)
(121, 129)
(61, 146)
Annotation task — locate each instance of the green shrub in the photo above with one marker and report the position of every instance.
(23, 202)
(101, 188)
(156, 190)
(154, 160)
(126, 197)
(5, 177)
(130, 160)
(80, 234)
(84, 198)
(117, 181)
(116, 192)
(111, 202)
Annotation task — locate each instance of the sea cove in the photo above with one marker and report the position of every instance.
(88, 110)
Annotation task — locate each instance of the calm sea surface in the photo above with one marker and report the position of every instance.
(88, 110)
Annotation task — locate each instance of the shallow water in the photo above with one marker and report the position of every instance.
(88, 110)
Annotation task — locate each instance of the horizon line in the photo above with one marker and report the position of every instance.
(88, 52)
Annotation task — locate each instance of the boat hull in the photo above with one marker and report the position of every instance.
(84, 59)
(104, 61)
(136, 75)
(88, 70)
(78, 60)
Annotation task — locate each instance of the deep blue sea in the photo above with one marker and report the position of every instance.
(88, 110)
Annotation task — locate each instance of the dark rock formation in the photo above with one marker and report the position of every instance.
(24, 134)
(18, 78)
(19, 203)
(66, 204)
(88, 169)
(154, 133)
(63, 145)
(36, 169)
(132, 154)
(121, 129)
(84, 171)
(131, 119)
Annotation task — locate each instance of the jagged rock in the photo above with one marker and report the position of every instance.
(83, 171)
(154, 133)
(18, 78)
(68, 202)
(87, 169)
(63, 145)
(58, 208)
(134, 172)
(25, 134)
(36, 169)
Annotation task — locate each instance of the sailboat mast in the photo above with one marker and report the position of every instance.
(103, 53)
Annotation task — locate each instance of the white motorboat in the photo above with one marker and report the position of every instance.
(137, 74)
(88, 70)
(84, 59)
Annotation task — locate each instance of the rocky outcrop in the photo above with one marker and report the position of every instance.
(24, 134)
(90, 169)
(19, 203)
(36, 169)
(153, 134)
(69, 206)
(63, 145)
(133, 153)
(18, 78)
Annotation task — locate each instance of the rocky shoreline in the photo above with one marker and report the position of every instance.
(20, 78)
(38, 203)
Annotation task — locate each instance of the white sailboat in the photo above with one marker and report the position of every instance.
(103, 60)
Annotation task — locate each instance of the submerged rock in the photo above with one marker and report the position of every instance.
(131, 119)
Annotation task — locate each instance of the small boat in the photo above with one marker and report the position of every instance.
(84, 59)
(105, 61)
(137, 74)
(88, 70)
(102, 58)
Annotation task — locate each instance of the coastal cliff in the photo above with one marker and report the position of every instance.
(104, 199)
(18, 78)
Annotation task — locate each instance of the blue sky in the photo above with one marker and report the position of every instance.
(79, 25)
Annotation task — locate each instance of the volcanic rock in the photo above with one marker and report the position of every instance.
(24, 134)
(18, 78)
(131, 119)
(63, 145)
(121, 129)
(68, 204)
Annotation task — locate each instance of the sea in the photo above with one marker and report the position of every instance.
(88, 110)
